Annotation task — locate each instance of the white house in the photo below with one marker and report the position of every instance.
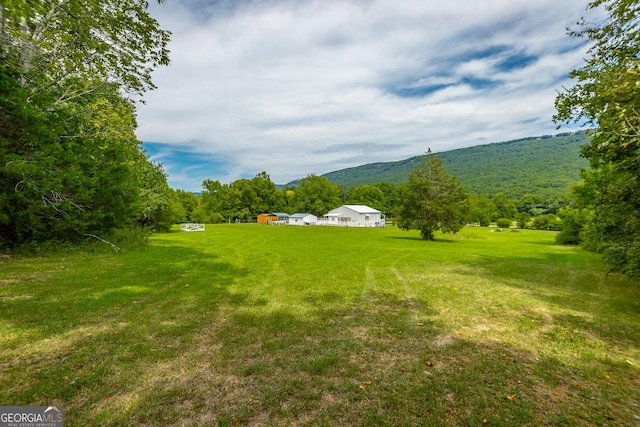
(303, 219)
(354, 216)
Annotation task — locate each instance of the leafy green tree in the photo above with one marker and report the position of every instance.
(316, 195)
(528, 202)
(66, 176)
(367, 194)
(71, 166)
(546, 222)
(190, 204)
(345, 193)
(242, 199)
(80, 45)
(267, 194)
(159, 209)
(391, 198)
(523, 219)
(481, 210)
(213, 201)
(607, 95)
(286, 200)
(505, 208)
(433, 200)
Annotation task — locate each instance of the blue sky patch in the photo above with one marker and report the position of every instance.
(487, 52)
(479, 83)
(515, 62)
(418, 91)
(186, 169)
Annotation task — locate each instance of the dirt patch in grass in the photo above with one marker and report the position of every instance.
(443, 340)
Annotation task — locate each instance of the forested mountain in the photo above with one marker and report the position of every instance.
(545, 166)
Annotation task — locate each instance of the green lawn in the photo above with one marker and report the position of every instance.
(275, 325)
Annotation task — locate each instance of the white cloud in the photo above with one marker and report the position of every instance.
(285, 86)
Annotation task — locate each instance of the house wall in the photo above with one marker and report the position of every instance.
(352, 218)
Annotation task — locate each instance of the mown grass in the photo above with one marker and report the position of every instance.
(268, 325)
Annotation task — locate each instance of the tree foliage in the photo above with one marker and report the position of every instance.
(481, 211)
(70, 43)
(607, 96)
(71, 166)
(433, 200)
(243, 199)
(316, 195)
(370, 195)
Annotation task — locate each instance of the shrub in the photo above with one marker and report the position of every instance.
(573, 221)
(503, 222)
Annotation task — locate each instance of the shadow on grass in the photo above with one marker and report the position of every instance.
(77, 329)
(152, 341)
(545, 243)
(109, 289)
(420, 239)
(360, 365)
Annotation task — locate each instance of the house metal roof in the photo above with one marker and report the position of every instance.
(362, 209)
(299, 215)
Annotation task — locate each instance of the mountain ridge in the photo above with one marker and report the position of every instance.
(544, 165)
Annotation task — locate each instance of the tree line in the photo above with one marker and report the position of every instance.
(245, 199)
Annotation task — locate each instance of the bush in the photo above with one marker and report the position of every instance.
(573, 221)
(503, 222)
(117, 240)
(216, 218)
(624, 257)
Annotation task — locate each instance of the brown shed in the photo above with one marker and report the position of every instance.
(266, 218)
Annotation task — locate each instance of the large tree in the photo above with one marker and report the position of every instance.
(481, 210)
(391, 198)
(370, 195)
(433, 200)
(316, 195)
(607, 97)
(70, 164)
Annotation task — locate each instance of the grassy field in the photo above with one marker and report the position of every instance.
(273, 325)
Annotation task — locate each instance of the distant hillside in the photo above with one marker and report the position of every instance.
(544, 166)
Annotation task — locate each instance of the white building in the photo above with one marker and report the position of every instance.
(354, 216)
(303, 219)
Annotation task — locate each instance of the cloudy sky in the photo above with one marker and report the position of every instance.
(308, 87)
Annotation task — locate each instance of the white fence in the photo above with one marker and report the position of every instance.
(346, 222)
(185, 226)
